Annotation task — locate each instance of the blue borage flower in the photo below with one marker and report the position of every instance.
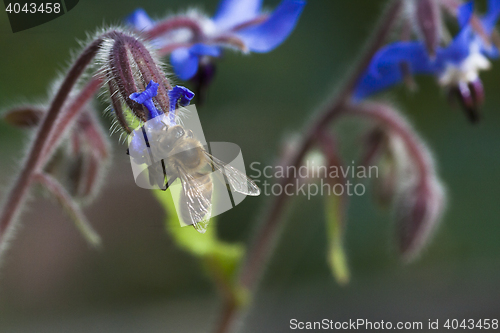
(235, 20)
(455, 65)
(146, 98)
(178, 97)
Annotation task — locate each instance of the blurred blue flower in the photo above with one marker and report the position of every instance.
(456, 65)
(238, 24)
(140, 20)
(186, 60)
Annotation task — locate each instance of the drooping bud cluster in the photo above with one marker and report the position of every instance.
(82, 153)
(417, 211)
(407, 180)
(89, 148)
(380, 147)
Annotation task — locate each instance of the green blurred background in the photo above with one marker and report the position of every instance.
(140, 282)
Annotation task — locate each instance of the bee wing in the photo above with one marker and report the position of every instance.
(237, 179)
(197, 209)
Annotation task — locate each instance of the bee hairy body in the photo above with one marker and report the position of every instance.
(183, 150)
(187, 159)
(184, 157)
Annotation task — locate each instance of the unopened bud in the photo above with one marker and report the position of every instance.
(388, 151)
(90, 157)
(418, 209)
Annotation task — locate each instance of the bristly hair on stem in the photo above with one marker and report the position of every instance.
(128, 63)
(64, 107)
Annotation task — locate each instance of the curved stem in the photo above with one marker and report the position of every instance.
(391, 119)
(18, 192)
(64, 198)
(169, 48)
(258, 20)
(175, 23)
(68, 117)
(267, 233)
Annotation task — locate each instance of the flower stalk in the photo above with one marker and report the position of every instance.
(267, 233)
(81, 222)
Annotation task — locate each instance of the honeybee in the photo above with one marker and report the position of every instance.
(188, 161)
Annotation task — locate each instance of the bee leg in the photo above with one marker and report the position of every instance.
(165, 127)
(170, 182)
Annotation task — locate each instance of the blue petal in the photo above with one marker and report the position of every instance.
(412, 53)
(269, 34)
(385, 69)
(184, 62)
(465, 13)
(145, 98)
(140, 20)
(202, 49)
(150, 92)
(370, 84)
(233, 12)
(459, 48)
(179, 96)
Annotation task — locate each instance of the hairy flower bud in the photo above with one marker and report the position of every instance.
(387, 150)
(129, 66)
(418, 198)
(90, 155)
(418, 208)
(379, 148)
(80, 160)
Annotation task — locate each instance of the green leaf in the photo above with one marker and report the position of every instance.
(335, 232)
(221, 259)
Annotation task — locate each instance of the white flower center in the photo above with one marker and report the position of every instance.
(467, 70)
